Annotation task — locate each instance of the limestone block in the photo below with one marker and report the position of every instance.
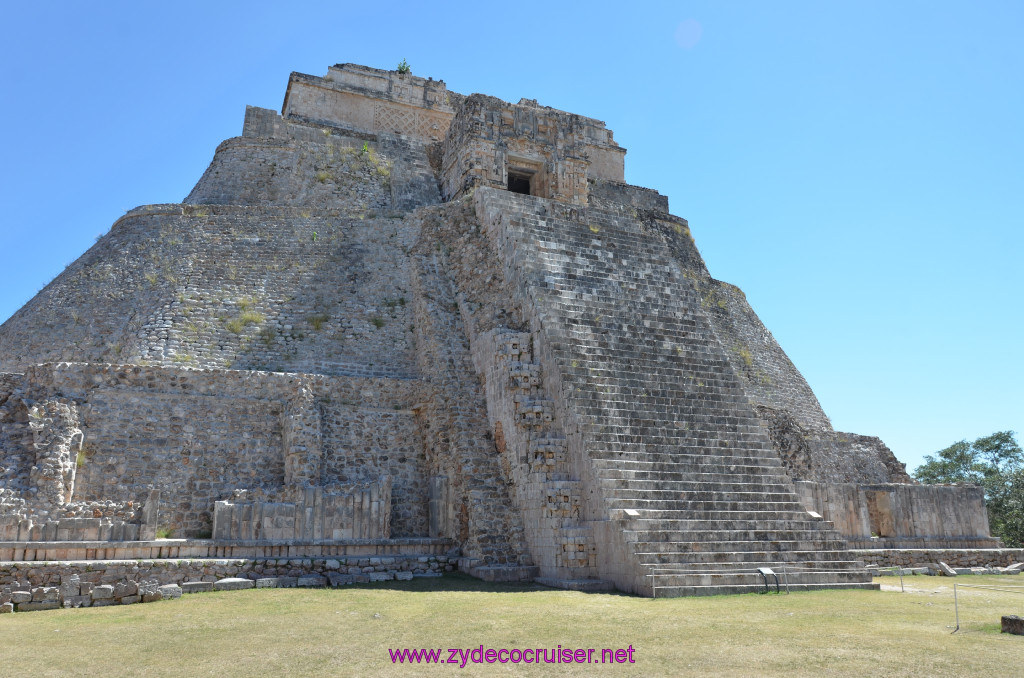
(103, 592)
(104, 602)
(946, 570)
(170, 591)
(130, 600)
(266, 583)
(403, 576)
(152, 597)
(196, 586)
(233, 584)
(382, 576)
(19, 597)
(6, 608)
(125, 588)
(38, 605)
(312, 582)
(46, 593)
(148, 587)
(78, 601)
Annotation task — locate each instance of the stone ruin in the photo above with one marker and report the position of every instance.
(396, 322)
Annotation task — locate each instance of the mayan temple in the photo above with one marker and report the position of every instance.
(395, 331)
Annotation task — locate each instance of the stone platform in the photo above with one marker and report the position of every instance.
(216, 549)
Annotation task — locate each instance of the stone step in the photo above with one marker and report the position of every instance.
(690, 549)
(659, 455)
(671, 435)
(739, 559)
(794, 574)
(684, 462)
(669, 479)
(679, 437)
(728, 492)
(649, 471)
(732, 534)
(708, 506)
(759, 513)
(681, 591)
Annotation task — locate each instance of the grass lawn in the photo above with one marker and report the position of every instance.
(347, 632)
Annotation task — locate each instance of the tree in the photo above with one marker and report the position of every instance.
(995, 462)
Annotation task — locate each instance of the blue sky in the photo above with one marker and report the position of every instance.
(856, 168)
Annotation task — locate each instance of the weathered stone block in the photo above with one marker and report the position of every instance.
(338, 579)
(312, 582)
(129, 600)
(267, 583)
(1013, 624)
(196, 586)
(38, 605)
(125, 588)
(6, 608)
(233, 584)
(170, 591)
(19, 597)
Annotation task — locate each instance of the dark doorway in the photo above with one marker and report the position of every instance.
(519, 182)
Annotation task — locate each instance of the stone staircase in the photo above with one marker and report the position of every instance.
(673, 445)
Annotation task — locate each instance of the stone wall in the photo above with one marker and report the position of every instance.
(292, 161)
(469, 495)
(556, 151)
(373, 100)
(201, 434)
(529, 440)
(610, 194)
(338, 511)
(233, 287)
(33, 586)
(931, 557)
(891, 515)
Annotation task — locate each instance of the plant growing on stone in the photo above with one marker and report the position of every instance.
(403, 67)
(317, 320)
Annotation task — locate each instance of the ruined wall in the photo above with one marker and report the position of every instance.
(770, 378)
(609, 194)
(902, 516)
(469, 497)
(338, 512)
(198, 435)
(529, 442)
(278, 161)
(360, 443)
(800, 431)
(269, 288)
(559, 151)
(372, 100)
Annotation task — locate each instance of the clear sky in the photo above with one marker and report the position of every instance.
(857, 168)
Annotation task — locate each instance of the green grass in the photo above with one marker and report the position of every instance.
(347, 632)
(243, 320)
